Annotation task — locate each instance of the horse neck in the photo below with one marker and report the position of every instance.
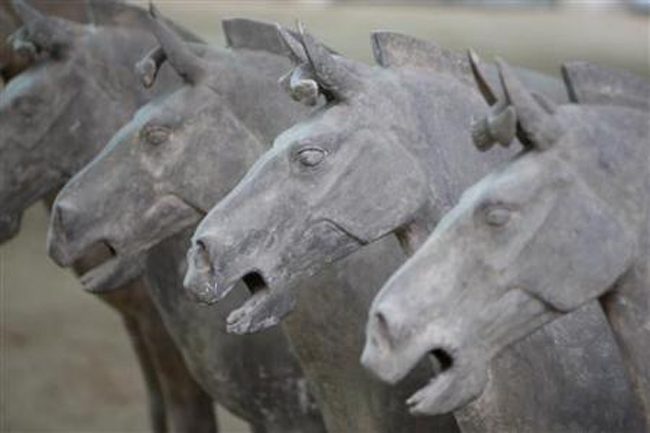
(249, 83)
(610, 153)
(443, 108)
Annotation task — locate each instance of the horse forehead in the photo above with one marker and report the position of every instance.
(513, 180)
(345, 118)
(308, 130)
(166, 109)
(188, 102)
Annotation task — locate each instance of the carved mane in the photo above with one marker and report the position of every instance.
(395, 50)
(122, 14)
(243, 33)
(591, 84)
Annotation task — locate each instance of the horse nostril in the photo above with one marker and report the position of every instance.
(199, 256)
(60, 216)
(202, 250)
(384, 331)
(200, 244)
(58, 235)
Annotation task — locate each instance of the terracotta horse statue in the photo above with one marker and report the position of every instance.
(564, 222)
(385, 156)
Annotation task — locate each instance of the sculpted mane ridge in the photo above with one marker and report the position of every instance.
(395, 50)
(121, 14)
(592, 84)
(243, 33)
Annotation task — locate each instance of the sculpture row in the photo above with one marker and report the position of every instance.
(516, 277)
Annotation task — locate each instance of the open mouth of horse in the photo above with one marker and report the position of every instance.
(272, 300)
(458, 381)
(443, 364)
(104, 269)
(263, 309)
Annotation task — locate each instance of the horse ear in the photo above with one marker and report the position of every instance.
(177, 52)
(294, 49)
(538, 127)
(50, 34)
(300, 82)
(148, 67)
(500, 125)
(337, 77)
(514, 110)
(490, 94)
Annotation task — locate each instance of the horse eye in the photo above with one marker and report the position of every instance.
(497, 216)
(156, 135)
(311, 157)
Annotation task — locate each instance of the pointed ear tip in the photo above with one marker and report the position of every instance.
(283, 32)
(474, 61)
(506, 75)
(153, 10)
(301, 27)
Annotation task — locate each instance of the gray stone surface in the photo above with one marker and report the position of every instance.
(388, 155)
(54, 117)
(561, 224)
(256, 378)
(165, 170)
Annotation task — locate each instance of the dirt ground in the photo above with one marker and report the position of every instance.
(65, 363)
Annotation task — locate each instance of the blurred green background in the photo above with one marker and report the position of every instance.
(65, 362)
